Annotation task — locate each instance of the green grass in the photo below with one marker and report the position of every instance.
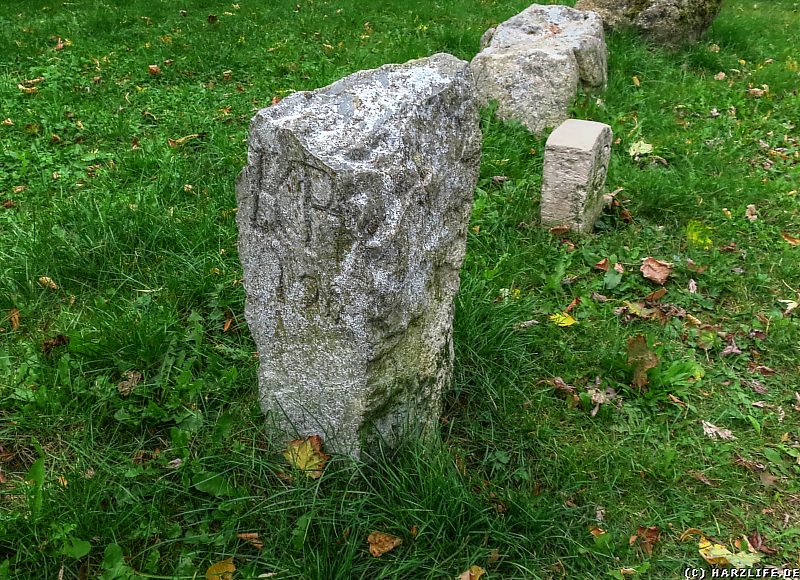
(142, 248)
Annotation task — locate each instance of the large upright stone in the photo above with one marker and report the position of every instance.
(575, 166)
(533, 63)
(353, 210)
(668, 22)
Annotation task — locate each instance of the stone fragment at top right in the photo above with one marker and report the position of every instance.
(667, 22)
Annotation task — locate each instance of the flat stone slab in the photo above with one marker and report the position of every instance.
(669, 22)
(533, 63)
(353, 212)
(575, 166)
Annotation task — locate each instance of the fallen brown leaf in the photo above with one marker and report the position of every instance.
(701, 477)
(655, 270)
(129, 382)
(52, 343)
(748, 464)
(647, 537)
(655, 295)
(13, 317)
(642, 360)
(676, 400)
(757, 540)
(715, 432)
(604, 266)
(559, 384)
(380, 543)
(791, 239)
(761, 369)
(251, 538)
(751, 213)
(153, 69)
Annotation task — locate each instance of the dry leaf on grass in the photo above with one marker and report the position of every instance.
(380, 543)
(53, 343)
(640, 148)
(47, 282)
(558, 384)
(175, 142)
(701, 477)
(13, 317)
(751, 213)
(791, 239)
(307, 455)
(715, 432)
(604, 265)
(474, 573)
(251, 538)
(221, 570)
(129, 382)
(642, 359)
(646, 537)
(655, 270)
(719, 555)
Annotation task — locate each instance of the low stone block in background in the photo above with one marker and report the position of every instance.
(533, 63)
(353, 211)
(670, 22)
(575, 167)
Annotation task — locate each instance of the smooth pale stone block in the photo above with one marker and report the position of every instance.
(575, 167)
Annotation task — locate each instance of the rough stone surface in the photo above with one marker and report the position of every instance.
(533, 63)
(353, 211)
(670, 22)
(575, 167)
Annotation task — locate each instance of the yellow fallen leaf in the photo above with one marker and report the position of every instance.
(307, 455)
(221, 570)
(717, 554)
(380, 543)
(640, 148)
(562, 319)
(474, 573)
(636, 82)
(175, 142)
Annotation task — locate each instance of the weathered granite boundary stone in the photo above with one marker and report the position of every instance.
(533, 63)
(575, 167)
(669, 22)
(353, 211)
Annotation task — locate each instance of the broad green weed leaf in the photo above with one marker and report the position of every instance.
(76, 548)
(213, 484)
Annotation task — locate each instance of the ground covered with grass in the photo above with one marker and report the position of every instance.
(131, 443)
